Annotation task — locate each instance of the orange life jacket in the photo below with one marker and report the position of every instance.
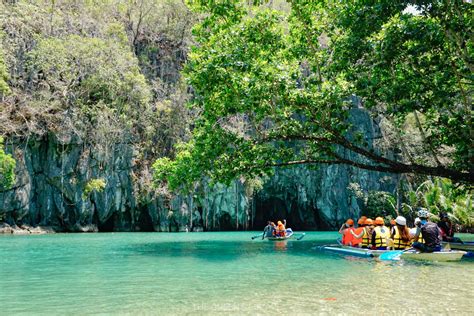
(357, 241)
(281, 231)
(347, 238)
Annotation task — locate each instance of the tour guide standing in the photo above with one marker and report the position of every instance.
(429, 231)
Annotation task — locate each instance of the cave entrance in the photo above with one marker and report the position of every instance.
(275, 209)
(107, 226)
(145, 223)
(272, 209)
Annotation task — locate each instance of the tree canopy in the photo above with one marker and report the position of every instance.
(275, 88)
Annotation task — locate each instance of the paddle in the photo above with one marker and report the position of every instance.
(256, 236)
(393, 255)
(301, 237)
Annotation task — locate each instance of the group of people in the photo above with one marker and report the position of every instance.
(426, 236)
(272, 230)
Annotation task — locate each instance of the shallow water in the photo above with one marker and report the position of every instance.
(218, 273)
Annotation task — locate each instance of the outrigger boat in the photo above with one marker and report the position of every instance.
(466, 246)
(453, 255)
(289, 234)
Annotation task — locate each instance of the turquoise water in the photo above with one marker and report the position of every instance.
(217, 273)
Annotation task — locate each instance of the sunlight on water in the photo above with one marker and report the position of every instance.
(217, 273)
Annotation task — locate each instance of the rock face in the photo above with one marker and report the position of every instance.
(53, 172)
(318, 197)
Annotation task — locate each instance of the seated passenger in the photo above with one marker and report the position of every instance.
(380, 235)
(269, 230)
(447, 228)
(345, 231)
(413, 231)
(429, 231)
(401, 234)
(366, 233)
(357, 242)
(280, 229)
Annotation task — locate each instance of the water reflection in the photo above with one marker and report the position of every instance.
(280, 245)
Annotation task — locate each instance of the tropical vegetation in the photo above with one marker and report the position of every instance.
(278, 88)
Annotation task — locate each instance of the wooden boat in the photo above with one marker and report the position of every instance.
(439, 256)
(466, 246)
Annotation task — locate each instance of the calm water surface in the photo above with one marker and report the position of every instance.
(218, 273)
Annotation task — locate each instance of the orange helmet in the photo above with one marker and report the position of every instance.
(361, 220)
(379, 221)
(369, 221)
(392, 222)
(280, 223)
(350, 222)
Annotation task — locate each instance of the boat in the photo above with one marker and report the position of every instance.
(453, 255)
(289, 234)
(466, 246)
(440, 256)
(359, 252)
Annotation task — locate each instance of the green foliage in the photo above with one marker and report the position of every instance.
(93, 185)
(438, 196)
(7, 168)
(4, 88)
(86, 71)
(274, 89)
(441, 195)
(97, 73)
(380, 203)
(375, 203)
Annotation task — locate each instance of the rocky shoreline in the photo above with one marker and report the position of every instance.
(25, 230)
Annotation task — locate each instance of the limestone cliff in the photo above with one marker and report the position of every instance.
(52, 173)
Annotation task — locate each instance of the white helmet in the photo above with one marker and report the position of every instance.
(422, 213)
(400, 220)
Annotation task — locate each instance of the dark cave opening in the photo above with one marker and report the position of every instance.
(145, 223)
(275, 209)
(107, 226)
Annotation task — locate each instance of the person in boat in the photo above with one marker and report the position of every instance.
(380, 235)
(429, 231)
(401, 234)
(365, 234)
(357, 242)
(346, 229)
(413, 231)
(281, 229)
(393, 223)
(447, 228)
(269, 230)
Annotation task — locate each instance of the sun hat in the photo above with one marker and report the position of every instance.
(400, 220)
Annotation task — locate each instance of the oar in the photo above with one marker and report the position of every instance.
(393, 255)
(301, 237)
(256, 236)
